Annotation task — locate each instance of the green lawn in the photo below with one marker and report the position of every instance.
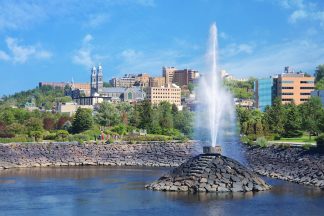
(304, 138)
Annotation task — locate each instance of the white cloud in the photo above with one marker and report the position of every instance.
(84, 55)
(87, 38)
(4, 56)
(22, 53)
(234, 49)
(303, 10)
(301, 55)
(97, 20)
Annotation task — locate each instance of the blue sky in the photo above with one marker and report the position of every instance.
(60, 39)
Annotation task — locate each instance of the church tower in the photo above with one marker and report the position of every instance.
(93, 82)
(99, 79)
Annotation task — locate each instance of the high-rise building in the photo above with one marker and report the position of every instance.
(179, 77)
(170, 93)
(294, 87)
(142, 79)
(265, 91)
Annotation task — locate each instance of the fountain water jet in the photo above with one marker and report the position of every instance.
(215, 111)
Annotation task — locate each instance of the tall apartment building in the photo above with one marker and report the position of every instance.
(156, 81)
(179, 77)
(170, 93)
(294, 87)
(288, 87)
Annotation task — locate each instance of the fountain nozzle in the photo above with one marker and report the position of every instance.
(212, 150)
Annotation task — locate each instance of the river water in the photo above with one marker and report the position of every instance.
(120, 191)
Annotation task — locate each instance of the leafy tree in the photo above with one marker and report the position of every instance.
(319, 72)
(146, 114)
(320, 84)
(312, 112)
(275, 117)
(34, 124)
(49, 123)
(135, 116)
(7, 117)
(61, 121)
(165, 111)
(183, 121)
(107, 115)
(82, 120)
(292, 125)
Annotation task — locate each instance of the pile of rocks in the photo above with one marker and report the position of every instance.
(210, 173)
(293, 164)
(155, 154)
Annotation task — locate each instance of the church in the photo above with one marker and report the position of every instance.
(99, 93)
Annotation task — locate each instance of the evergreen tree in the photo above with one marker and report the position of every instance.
(319, 72)
(107, 115)
(275, 117)
(293, 122)
(146, 114)
(165, 113)
(312, 112)
(82, 120)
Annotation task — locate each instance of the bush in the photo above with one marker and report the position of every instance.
(61, 135)
(81, 138)
(307, 146)
(49, 136)
(36, 135)
(148, 137)
(262, 142)
(18, 139)
(320, 141)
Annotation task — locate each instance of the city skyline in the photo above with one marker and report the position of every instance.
(61, 40)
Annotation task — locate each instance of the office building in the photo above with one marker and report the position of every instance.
(170, 93)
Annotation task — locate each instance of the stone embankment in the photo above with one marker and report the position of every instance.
(291, 164)
(210, 173)
(153, 154)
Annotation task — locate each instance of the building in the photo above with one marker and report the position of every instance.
(294, 87)
(170, 93)
(128, 80)
(156, 81)
(167, 73)
(142, 80)
(83, 87)
(320, 94)
(96, 80)
(245, 103)
(131, 95)
(265, 92)
(70, 108)
(179, 77)
(288, 87)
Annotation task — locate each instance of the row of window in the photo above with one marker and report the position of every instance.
(291, 81)
(290, 99)
(303, 87)
(290, 93)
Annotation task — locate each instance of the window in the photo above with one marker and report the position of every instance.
(305, 93)
(287, 87)
(287, 93)
(306, 87)
(287, 81)
(306, 81)
(304, 99)
(287, 99)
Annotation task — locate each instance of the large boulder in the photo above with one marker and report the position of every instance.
(210, 173)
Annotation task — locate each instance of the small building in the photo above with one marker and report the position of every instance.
(70, 108)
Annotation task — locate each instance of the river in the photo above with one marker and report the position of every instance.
(120, 191)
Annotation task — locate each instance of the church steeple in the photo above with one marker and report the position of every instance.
(93, 82)
(99, 79)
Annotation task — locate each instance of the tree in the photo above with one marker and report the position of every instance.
(61, 121)
(34, 124)
(165, 111)
(135, 116)
(312, 113)
(319, 72)
(320, 84)
(107, 115)
(292, 125)
(82, 120)
(183, 121)
(49, 123)
(275, 117)
(146, 114)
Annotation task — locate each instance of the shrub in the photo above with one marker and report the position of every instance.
(81, 138)
(36, 135)
(61, 135)
(307, 146)
(49, 136)
(244, 139)
(262, 142)
(320, 142)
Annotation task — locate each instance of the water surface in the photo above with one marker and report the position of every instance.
(120, 191)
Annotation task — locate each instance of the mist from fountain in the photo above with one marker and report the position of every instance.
(215, 114)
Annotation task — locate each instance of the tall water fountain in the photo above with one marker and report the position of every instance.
(214, 119)
(215, 116)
